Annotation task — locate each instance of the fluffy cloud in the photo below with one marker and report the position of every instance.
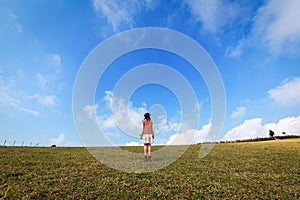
(237, 50)
(277, 26)
(19, 107)
(239, 112)
(120, 14)
(54, 59)
(112, 119)
(14, 18)
(213, 14)
(57, 141)
(49, 80)
(189, 136)
(8, 98)
(41, 80)
(254, 128)
(45, 100)
(251, 128)
(286, 94)
(90, 110)
(12, 93)
(290, 125)
(113, 112)
(132, 144)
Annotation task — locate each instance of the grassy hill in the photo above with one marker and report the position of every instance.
(248, 170)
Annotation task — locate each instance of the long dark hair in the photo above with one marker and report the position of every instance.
(147, 116)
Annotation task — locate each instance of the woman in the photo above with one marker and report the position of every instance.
(147, 135)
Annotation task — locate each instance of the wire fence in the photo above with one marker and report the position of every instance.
(19, 143)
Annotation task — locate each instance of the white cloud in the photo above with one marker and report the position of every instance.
(237, 50)
(19, 107)
(189, 136)
(117, 113)
(41, 80)
(8, 99)
(170, 125)
(120, 14)
(127, 118)
(50, 80)
(12, 16)
(55, 59)
(45, 100)
(19, 28)
(57, 141)
(254, 128)
(251, 128)
(213, 14)
(48, 100)
(117, 15)
(239, 112)
(132, 144)
(206, 12)
(90, 110)
(290, 125)
(27, 110)
(286, 94)
(14, 94)
(276, 25)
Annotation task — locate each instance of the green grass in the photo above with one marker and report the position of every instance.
(258, 170)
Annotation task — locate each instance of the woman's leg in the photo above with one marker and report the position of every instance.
(145, 149)
(149, 151)
(145, 152)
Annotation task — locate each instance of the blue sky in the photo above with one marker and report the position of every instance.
(254, 44)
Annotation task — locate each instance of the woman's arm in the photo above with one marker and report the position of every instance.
(152, 130)
(141, 132)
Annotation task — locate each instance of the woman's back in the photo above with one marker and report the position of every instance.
(147, 126)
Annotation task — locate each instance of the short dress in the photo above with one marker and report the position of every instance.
(147, 131)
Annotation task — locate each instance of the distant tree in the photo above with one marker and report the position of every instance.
(283, 133)
(271, 133)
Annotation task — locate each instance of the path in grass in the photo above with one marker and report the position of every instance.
(258, 170)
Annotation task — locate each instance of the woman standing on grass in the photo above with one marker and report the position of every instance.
(147, 135)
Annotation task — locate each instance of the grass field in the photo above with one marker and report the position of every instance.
(258, 170)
